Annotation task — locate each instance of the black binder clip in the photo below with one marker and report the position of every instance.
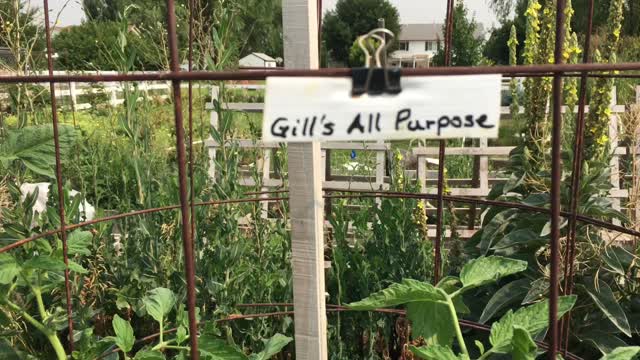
(376, 80)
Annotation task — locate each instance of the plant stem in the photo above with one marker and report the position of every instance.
(486, 355)
(51, 335)
(454, 316)
(57, 346)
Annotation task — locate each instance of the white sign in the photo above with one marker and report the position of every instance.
(302, 109)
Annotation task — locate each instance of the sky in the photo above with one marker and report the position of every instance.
(411, 11)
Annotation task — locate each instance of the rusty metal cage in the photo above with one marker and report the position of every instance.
(558, 330)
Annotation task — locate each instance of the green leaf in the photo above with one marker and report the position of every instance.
(618, 259)
(524, 348)
(212, 348)
(485, 270)
(539, 287)
(124, 333)
(495, 228)
(511, 293)
(607, 303)
(604, 341)
(518, 237)
(159, 302)
(44, 262)
(432, 321)
(272, 347)
(623, 353)
(78, 242)
(181, 335)
(9, 268)
(434, 352)
(401, 293)
(74, 266)
(34, 147)
(540, 199)
(149, 355)
(533, 318)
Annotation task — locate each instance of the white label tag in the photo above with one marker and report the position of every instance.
(301, 109)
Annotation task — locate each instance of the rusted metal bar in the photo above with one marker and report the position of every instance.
(187, 239)
(556, 179)
(437, 263)
(359, 194)
(59, 184)
(569, 255)
(190, 110)
(330, 309)
(573, 70)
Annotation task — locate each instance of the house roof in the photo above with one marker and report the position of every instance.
(422, 32)
(261, 56)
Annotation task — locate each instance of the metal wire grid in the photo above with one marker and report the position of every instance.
(558, 330)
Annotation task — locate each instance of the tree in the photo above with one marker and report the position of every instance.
(84, 47)
(21, 33)
(260, 27)
(631, 13)
(466, 48)
(496, 49)
(352, 18)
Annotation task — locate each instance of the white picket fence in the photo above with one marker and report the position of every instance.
(376, 178)
(477, 187)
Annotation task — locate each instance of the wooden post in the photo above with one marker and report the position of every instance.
(300, 19)
(72, 94)
(213, 121)
(615, 160)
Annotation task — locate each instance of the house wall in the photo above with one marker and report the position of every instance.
(254, 61)
(417, 47)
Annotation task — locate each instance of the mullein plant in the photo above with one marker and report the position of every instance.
(597, 147)
(603, 270)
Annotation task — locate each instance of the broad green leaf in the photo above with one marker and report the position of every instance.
(212, 348)
(9, 268)
(451, 284)
(523, 346)
(149, 355)
(604, 341)
(44, 262)
(623, 353)
(537, 291)
(511, 293)
(74, 266)
(181, 335)
(78, 242)
(272, 347)
(34, 147)
(495, 228)
(159, 302)
(485, 270)
(540, 199)
(516, 238)
(618, 259)
(434, 352)
(124, 333)
(407, 291)
(432, 321)
(532, 318)
(607, 303)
